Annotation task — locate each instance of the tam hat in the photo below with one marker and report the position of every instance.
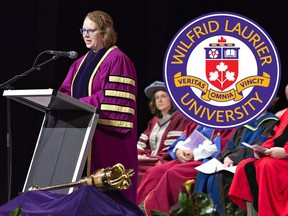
(152, 88)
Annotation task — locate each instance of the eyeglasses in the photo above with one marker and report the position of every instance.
(88, 31)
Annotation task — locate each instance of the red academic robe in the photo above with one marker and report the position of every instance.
(271, 176)
(174, 127)
(160, 185)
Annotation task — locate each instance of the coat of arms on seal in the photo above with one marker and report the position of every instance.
(221, 63)
(222, 70)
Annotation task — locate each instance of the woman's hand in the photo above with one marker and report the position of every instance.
(228, 162)
(258, 155)
(142, 156)
(184, 155)
(276, 152)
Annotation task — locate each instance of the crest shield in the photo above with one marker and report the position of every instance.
(221, 64)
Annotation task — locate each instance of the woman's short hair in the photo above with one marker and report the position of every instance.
(105, 25)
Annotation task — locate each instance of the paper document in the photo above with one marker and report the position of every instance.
(193, 141)
(255, 147)
(147, 159)
(213, 166)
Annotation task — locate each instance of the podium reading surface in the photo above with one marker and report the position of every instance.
(64, 139)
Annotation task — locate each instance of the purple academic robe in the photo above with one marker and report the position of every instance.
(113, 90)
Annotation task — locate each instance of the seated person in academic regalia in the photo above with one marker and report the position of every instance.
(160, 185)
(162, 130)
(217, 185)
(263, 180)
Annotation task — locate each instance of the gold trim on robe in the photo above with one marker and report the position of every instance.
(117, 108)
(116, 123)
(96, 69)
(124, 80)
(120, 94)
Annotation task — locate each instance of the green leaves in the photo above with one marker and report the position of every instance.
(190, 204)
(16, 212)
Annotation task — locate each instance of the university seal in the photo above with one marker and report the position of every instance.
(222, 70)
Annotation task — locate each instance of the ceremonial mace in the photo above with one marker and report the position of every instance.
(110, 178)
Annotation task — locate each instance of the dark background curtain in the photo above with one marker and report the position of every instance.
(145, 29)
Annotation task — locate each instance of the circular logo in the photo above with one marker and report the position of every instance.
(222, 70)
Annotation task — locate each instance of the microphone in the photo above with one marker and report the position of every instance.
(70, 54)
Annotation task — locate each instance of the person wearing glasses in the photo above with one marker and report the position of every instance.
(106, 78)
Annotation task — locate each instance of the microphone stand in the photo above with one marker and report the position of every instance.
(7, 85)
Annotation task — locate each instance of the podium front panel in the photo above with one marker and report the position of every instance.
(65, 137)
(61, 151)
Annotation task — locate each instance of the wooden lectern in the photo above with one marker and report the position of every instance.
(64, 139)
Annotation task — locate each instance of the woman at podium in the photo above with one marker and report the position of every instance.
(106, 78)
